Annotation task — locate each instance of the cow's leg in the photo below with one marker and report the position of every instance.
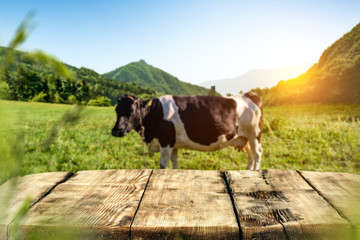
(251, 161)
(165, 153)
(256, 150)
(174, 156)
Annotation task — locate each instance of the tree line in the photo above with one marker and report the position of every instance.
(27, 80)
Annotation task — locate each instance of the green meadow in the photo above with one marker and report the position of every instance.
(44, 137)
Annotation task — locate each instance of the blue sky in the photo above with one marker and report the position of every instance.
(193, 40)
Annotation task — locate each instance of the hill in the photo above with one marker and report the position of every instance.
(27, 80)
(154, 78)
(256, 78)
(334, 79)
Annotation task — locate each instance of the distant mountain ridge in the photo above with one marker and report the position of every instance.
(256, 78)
(145, 75)
(27, 80)
(334, 79)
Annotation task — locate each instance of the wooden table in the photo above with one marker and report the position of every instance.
(182, 204)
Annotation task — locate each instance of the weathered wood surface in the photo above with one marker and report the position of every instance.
(94, 204)
(280, 204)
(342, 191)
(186, 204)
(14, 192)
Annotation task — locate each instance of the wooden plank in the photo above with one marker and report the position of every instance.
(93, 204)
(185, 204)
(279, 204)
(342, 190)
(14, 192)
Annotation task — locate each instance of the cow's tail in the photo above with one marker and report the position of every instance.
(257, 100)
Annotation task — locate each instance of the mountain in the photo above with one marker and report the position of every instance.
(28, 80)
(256, 78)
(334, 79)
(154, 78)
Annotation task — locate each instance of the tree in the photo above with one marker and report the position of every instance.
(99, 101)
(4, 86)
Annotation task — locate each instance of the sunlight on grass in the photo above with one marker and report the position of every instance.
(316, 138)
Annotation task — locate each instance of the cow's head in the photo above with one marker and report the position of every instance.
(127, 115)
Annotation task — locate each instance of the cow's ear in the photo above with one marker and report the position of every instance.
(119, 99)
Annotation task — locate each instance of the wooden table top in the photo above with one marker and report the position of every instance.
(182, 204)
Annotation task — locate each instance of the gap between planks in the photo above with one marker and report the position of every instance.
(286, 234)
(142, 196)
(353, 227)
(229, 191)
(67, 177)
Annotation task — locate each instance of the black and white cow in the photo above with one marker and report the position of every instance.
(204, 123)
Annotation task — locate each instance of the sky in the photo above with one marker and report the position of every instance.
(195, 41)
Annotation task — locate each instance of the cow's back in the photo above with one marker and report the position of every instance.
(201, 121)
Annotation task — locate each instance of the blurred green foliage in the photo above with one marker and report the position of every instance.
(24, 85)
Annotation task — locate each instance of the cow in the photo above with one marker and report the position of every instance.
(203, 123)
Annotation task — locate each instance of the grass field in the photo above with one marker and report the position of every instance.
(35, 138)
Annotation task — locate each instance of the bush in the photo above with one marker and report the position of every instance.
(274, 125)
(4, 90)
(71, 99)
(100, 102)
(58, 99)
(277, 123)
(40, 97)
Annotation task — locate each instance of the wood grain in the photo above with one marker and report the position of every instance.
(342, 190)
(92, 204)
(185, 204)
(14, 192)
(280, 204)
